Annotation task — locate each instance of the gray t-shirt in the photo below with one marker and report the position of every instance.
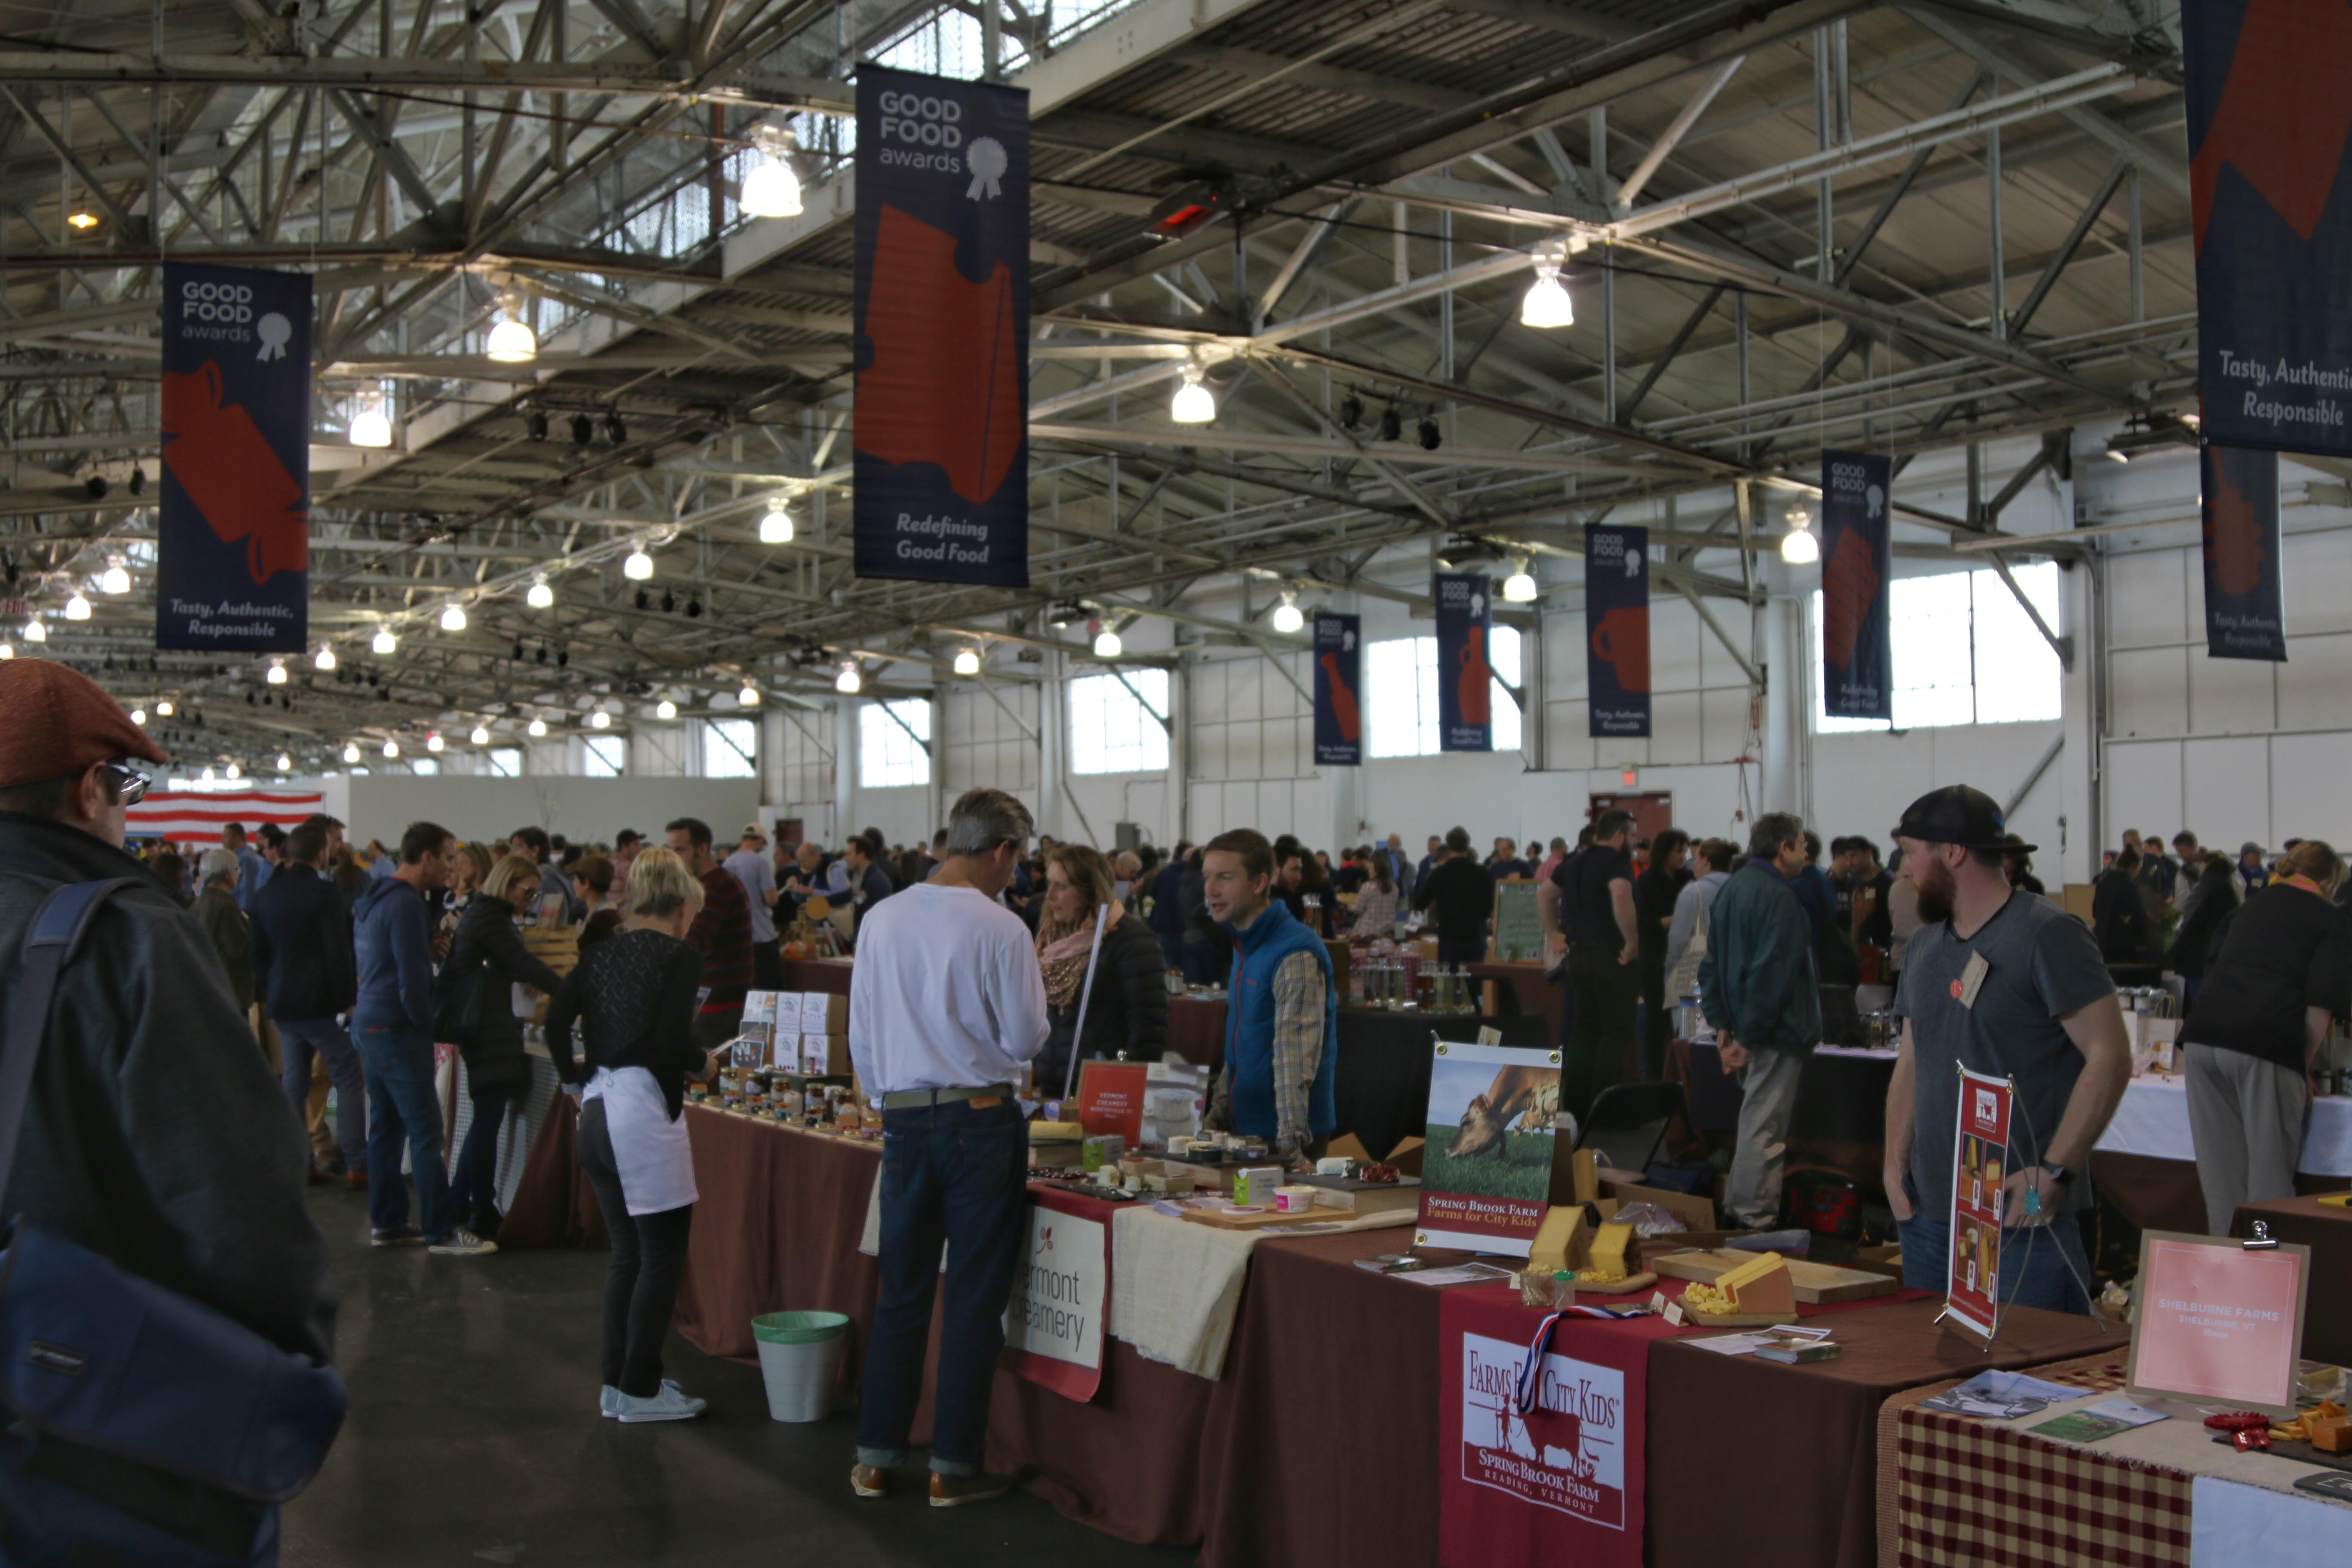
(2042, 963)
(759, 878)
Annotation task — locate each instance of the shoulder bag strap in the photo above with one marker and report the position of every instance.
(51, 943)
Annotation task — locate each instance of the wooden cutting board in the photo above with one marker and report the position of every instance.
(1815, 1283)
(1225, 1221)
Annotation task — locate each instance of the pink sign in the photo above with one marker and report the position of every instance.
(2219, 1323)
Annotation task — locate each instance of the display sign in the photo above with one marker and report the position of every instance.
(1339, 680)
(2268, 120)
(941, 436)
(1617, 630)
(1486, 1174)
(1857, 571)
(233, 528)
(1979, 1164)
(1519, 922)
(1111, 1098)
(1466, 676)
(2245, 608)
(2219, 1321)
(758, 1042)
(1054, 1323)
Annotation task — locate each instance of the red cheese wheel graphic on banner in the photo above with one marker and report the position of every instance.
(220, 458)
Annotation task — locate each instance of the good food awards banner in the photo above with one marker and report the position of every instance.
(2245, 615)
(1339, 679)
(232, 533)
(1465, 635)
(940, 440)
(2269, 115)
(1617, 630)
(1857, 565)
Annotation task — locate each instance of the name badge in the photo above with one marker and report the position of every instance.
(1972, 980)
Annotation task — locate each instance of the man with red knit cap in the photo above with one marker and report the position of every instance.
(154, 1134)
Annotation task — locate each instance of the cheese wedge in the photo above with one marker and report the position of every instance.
(1760, 1285)
(1609, 1245)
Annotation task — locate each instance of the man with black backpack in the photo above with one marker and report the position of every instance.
(153, 1147)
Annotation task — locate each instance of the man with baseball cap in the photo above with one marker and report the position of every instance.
(758, 873)
(153, 1134)
(2009, 985)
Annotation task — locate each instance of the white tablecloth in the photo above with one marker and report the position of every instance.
(2232, 1523)
(2153, 1120)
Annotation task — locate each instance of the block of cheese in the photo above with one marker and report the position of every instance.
(1056, 1132)
(1611, 1245)
(1559, 1241)
(1760, 1285)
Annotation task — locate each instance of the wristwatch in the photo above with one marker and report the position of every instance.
(2059, 1173)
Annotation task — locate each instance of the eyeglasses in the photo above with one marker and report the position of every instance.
(127, 781)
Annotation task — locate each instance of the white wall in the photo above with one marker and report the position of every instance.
(381, 806)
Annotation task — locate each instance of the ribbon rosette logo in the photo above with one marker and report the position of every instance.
(986, 159)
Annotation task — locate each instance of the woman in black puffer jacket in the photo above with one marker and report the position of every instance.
(1129, 1011)
(496, 1072)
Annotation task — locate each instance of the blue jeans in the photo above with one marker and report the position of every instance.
(298, 1041)
(2033, 1260)
(399, 1067)
(473, 1184)
(953, 1174)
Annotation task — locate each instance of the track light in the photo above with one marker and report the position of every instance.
(1351, 411)
(583, 430)
(76, 608)
(615, 431)
(537, 728)
(849, 682)
(1430, 438)
(452, 619)
(277, 676)
(384, 643)
(479, 736)
(1519, 587)
(35, 632)
(83, 221)
(1798, 546)
(750, 696)
(326, 656)
(1288, 617)
(1547, 304)
(1391, 424)
(1193, 404)
(390, 750)
(599, 720)
(638, 567)
(371, 426)
(776, 528)
(351, 752)
(669, 603)
(967, 662)
(664, 709)
(511, 341)
(1109, 644)
(534, 424)
(540, 597)
(117, 579)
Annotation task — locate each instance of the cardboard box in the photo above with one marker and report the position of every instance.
(1696, 1212)
(1406, 1156)
(823, 1013)
(825, 1056)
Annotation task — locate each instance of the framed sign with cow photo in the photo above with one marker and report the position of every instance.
(1487, 1174)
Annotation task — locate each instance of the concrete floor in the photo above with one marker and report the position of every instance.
(473, 1438)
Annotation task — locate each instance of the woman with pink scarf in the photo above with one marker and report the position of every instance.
(1127, 1013)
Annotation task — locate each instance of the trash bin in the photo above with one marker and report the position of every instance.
(800, 1360)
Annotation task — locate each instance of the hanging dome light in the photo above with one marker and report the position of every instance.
(326, 659)
(849, 682)
(1108, 644)
(117, 579)
(434, 742)
(352, 751)
(540, 597)
(164, 708)
(638, 567)
(390, 749)
(480, 736)
(537, 728)
(138, 715)
(776, 528)
(277, 676)
(770, 189)
(1519, 587)
(371, 426)
(35, 631)
(385, 645)
(1194, 403)
(234, 772)
(511, 341)
(208, 775)
(749, 697)
(1547, 304)
(599, 720)
(8, 651)
(967, 662)
(665, 709)
(285, 763)
(1287, 617)
(1798, 546)
(76, 608)
(452, 619)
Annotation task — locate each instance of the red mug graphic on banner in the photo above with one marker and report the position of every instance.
(1568, 1453)
(1979, 1164)
(1475, 685)
(1622, 641)
(217, 454)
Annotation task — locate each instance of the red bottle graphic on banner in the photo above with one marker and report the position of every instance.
(1343, 702)
(1849, 587)
(2234, 534)
(1473, 690)
(228, 469)
(945, 384)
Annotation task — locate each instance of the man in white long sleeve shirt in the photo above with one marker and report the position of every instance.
(947, 1008)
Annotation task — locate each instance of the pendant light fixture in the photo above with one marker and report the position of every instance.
(1547, 304)
(480, 736)
(452, 619)
(326, 658)
(770, 189)
(352, 751)
(77, 607)
(849, 682)
(285, 763)
(1798, 546)
(384, 644)
(776, 528)
(1109, 644)
(1193, 402)
(599, 720)
(35, 631)
(665, 709)
(750, 696)
(371, 426)
(117, 579)
(1287, 619)
(511, 341)
(967, 660)
(541, 596)
(638, 567)
(537, 728)
(1519, 587)
(276, 675)
(390, 750)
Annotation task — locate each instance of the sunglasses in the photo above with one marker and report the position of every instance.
(127, 781)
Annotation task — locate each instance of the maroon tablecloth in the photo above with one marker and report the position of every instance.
(553, 1204)
(2327, 1231)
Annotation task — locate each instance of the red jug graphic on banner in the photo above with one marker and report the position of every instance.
(1343, 702)
(1622, 641)
(2234, 534)
(233, 475)
(945, 384)
(1473, 690)
(1849, 589)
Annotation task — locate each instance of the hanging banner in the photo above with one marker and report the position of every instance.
(2268, 119)
(232, 529)
(1617, 630)
(2245, 615)
(1339, 678)
(1980, 1162)
(1465, 678)
(941, 435)
(1857, 565)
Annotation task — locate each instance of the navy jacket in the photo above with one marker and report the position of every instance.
(303, 968)
(392, 933)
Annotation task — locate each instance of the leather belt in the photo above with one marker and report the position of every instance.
(924, 1099)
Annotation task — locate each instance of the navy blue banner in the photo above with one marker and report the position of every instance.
(233, 531)
(1339, 691)
(1465, 670)
(1857, 565)
(2269, 114)
(1617, 630)
(2245, 613)
(941, 435)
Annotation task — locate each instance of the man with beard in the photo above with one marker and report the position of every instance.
(2009, 985)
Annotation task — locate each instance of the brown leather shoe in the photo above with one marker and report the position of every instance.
(869, 1480)
(954, 1492)
(318, 1178)
(355, 1180)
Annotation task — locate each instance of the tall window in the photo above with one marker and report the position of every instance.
(1965, 652)
(606, 753)
(1400, 689)
(506, 762)
(1117, 722)
(892, 738)
(730, 749)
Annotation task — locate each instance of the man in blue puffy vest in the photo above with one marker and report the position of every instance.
(1282, 1014)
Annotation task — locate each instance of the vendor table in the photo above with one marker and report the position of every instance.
(1196, 1030)
(1841, 1116)
(2327, 1231)
(2146, 1162)
(1522, 988)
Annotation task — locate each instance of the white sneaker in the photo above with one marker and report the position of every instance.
(669, 1405)
(463, 1243)
(608, 1398)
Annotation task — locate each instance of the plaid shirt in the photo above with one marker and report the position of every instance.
(722, 932)
(1297, 1055)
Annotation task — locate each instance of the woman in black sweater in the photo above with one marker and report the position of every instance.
(1129, 1011)
(496, 1072)
(2211, 900)
(2118, 916)
(632, 998)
